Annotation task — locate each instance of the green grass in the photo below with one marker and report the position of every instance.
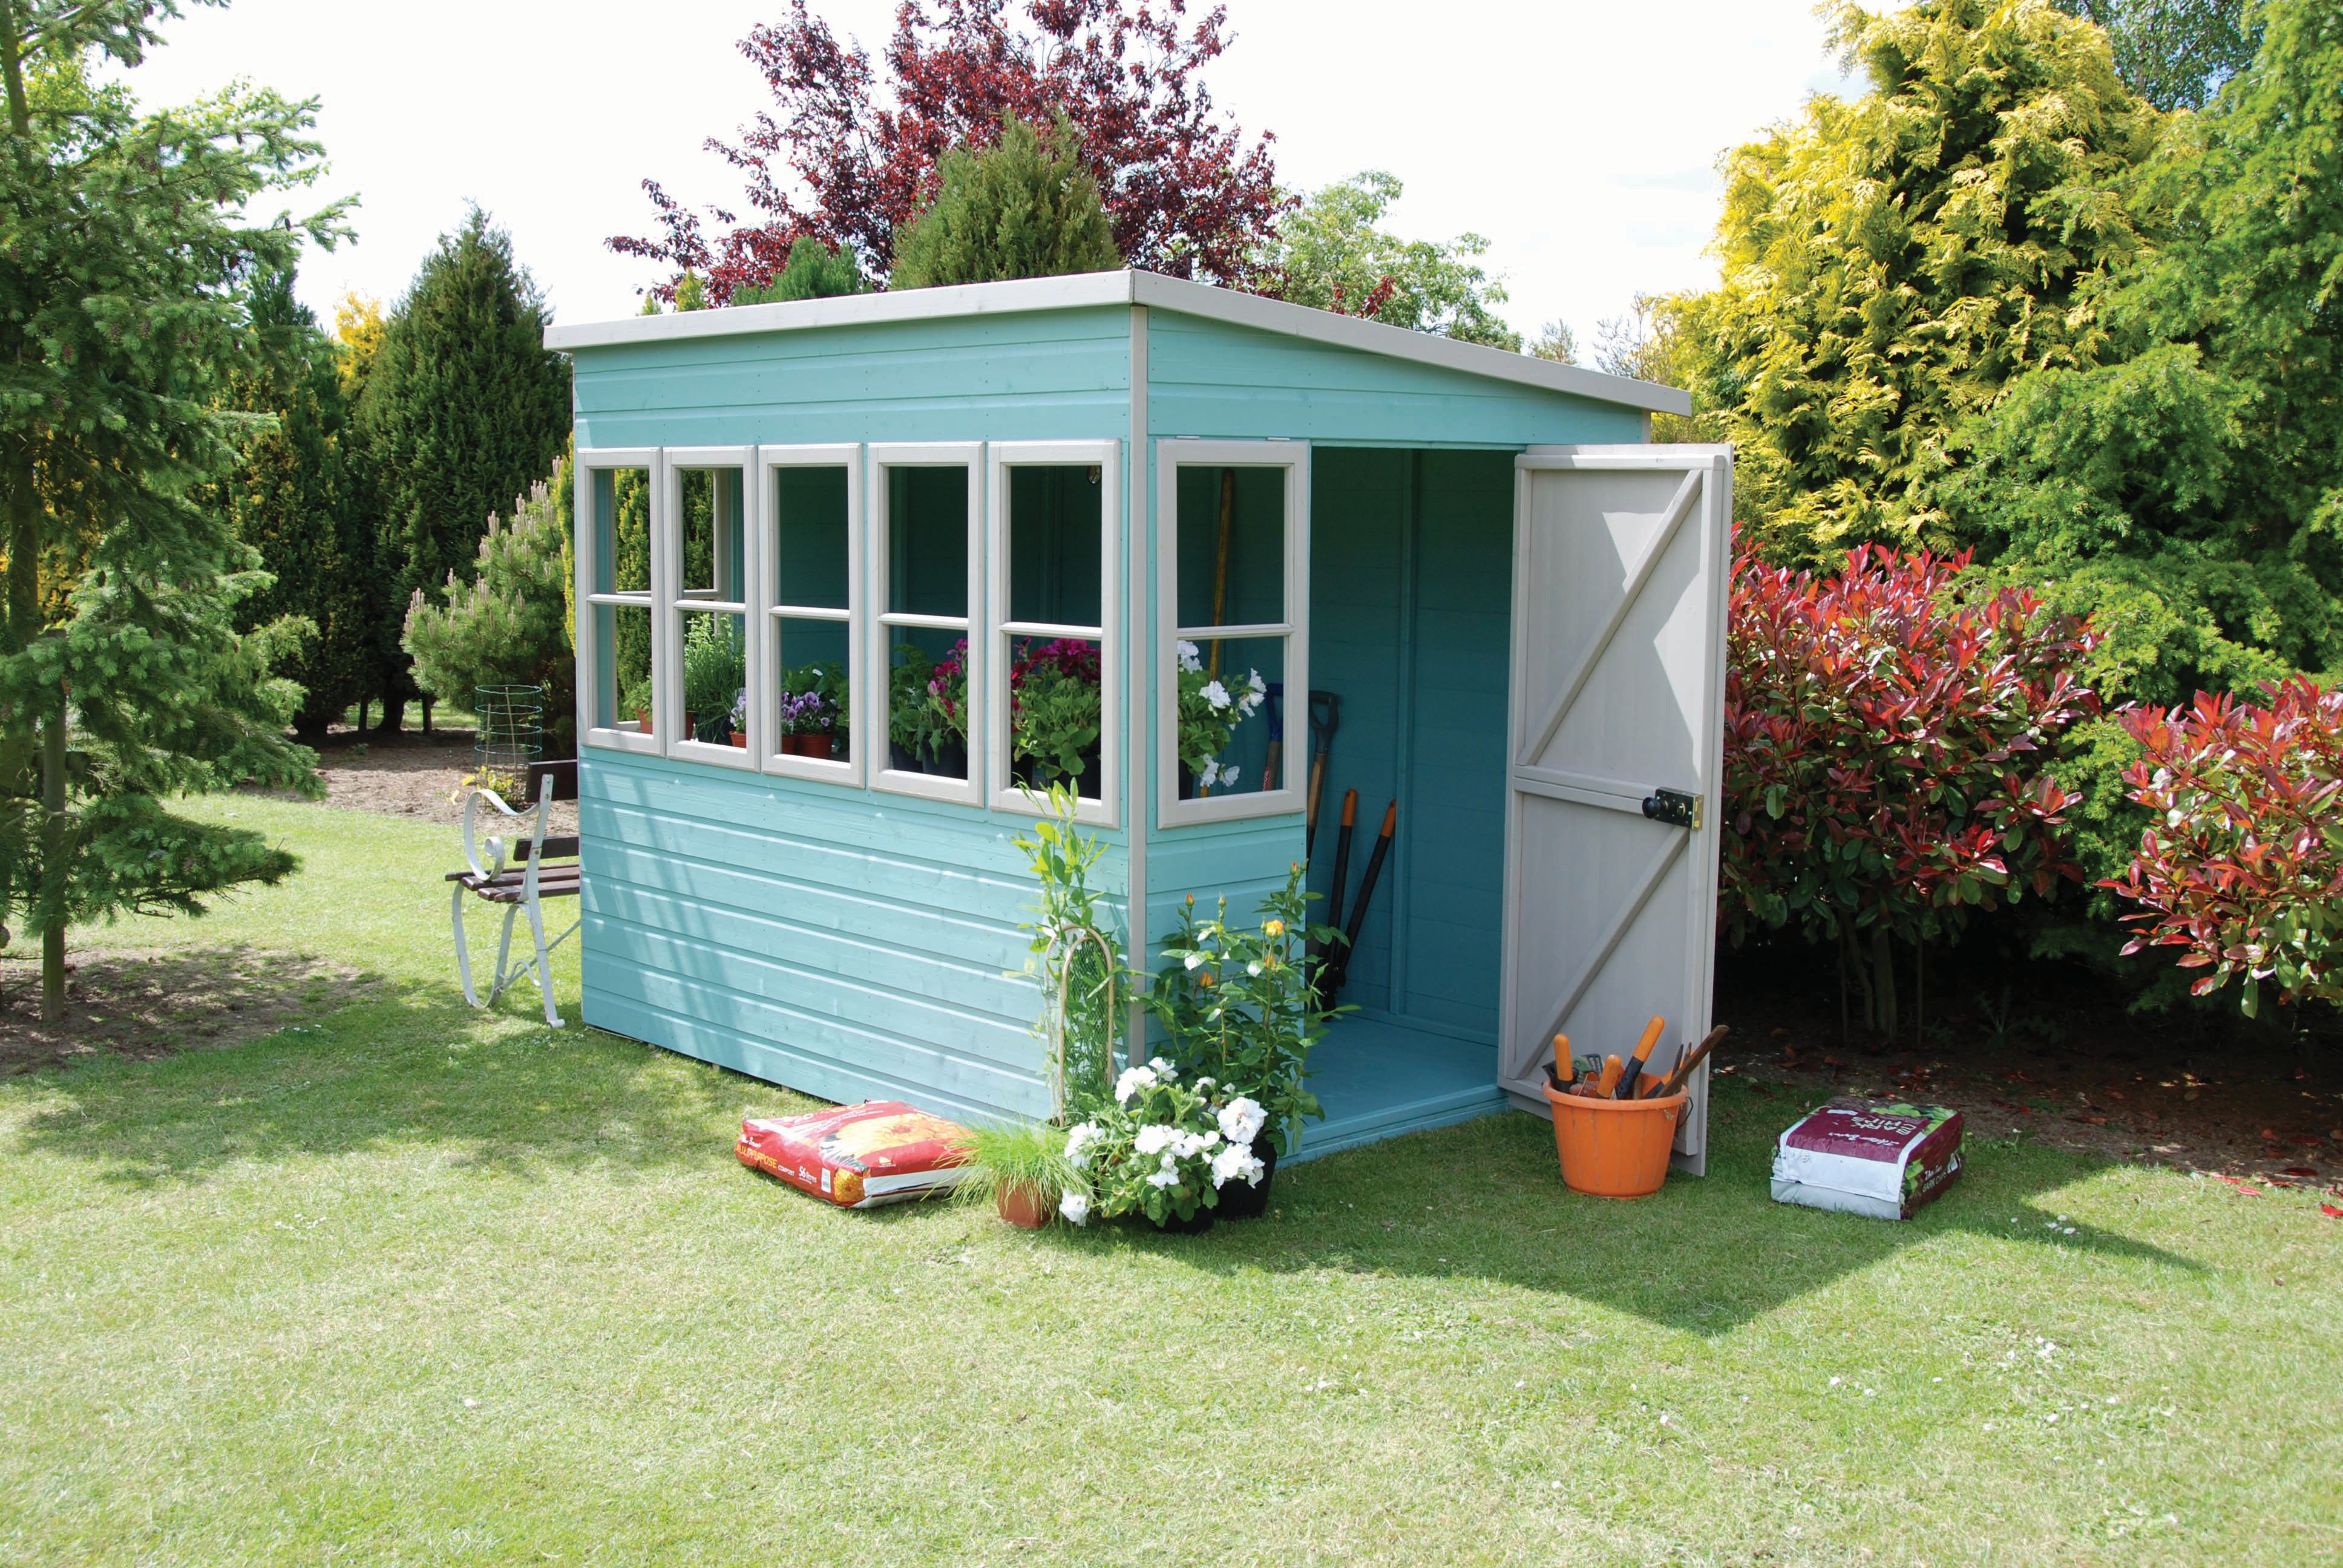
(422, 1285)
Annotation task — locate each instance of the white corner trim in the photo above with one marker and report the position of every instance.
(1087, 290)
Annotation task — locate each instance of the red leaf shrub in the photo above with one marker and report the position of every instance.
(844, 160)
(1886, 747)
(2245, 873)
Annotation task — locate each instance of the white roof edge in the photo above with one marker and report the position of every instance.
(1152, 289)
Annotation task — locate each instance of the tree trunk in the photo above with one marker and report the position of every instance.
(54, 870)
(1883, 980)
(426, 716)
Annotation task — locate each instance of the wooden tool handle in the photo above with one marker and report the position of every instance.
(1693, 1058)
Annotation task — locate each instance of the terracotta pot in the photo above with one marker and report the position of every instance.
(1024, 1204)
(740, 739)
(643, 718)
(1615, 1147)
(813, 745)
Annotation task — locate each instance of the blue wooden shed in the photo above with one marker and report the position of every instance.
(1518, 601)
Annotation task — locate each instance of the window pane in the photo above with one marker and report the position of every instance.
(715, 676)
(810, 536)
(622, 523)
(1231, 716)
(926, 702)
(1054, 567)
(927, 541)
(624, 633)
(1054, 713)
(809, 675)
(1232, 545)
(709, 524)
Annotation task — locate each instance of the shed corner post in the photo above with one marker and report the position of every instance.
(1139, 671)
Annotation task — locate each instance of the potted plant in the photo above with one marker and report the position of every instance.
(1055, 713)
(1164, 1149)
(948, 706)
(638, 697)
(1209, 711)
(910, 716)
(1242, 1006)
(739, 718)
(715, 672)
(1023, 1170)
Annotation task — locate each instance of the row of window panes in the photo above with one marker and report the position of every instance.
(1230, 553)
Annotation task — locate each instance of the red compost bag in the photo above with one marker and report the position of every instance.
(1884, 1157)
(857, 1156)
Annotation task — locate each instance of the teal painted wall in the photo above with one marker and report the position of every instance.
(849, 944)
(1411, 616)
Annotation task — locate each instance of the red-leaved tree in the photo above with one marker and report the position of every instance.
(2243, 869)
(845, 163)
(1887, 741)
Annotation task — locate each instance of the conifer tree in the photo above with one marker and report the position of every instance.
(128, 245)
(464, 408)
(290, 498)
(1022, 207)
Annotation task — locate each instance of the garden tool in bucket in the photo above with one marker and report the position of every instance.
(1615, 1147)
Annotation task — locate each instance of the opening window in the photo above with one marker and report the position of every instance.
(814, 504)
(929, 549)
(619, 686)
(708, 627)
(1055, 697)
(1234, 572)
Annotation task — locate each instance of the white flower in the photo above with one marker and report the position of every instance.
(1189, 657)
(1234, 1160)
(1155, 1139)
(1163, 1069)
(1164, 1178)
(1216, 693)
(1132, 1080)
(1228, 775)
(1242, 1120)
(1075, 1208)
(1254, 680)
(1201, 1084)
(1078, 1142)
(1210, 776)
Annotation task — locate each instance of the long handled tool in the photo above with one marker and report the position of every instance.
(1343, 858)
(1341, 964)
(1325, 718)
(1634, 1068)
(1692, 1058)
(1276, 754)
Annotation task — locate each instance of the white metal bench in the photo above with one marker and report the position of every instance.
(516, 874)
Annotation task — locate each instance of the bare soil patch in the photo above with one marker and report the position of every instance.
(2073, 1069)
(408, 774)
(142, 1005)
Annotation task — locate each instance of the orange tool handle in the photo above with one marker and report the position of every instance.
(1612, 1068)
(1349, 807)
(1562, 1070)
(1635, 1073)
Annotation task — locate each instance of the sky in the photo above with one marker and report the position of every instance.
(1581, 138)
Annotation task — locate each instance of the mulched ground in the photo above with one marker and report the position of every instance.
(2074, 1069)
(142, 1005)
(406, 774)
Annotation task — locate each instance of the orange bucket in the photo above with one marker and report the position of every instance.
(1615, 1147)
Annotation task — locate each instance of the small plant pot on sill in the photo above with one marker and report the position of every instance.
(809, 745)
(1250, 1199)
(643, 720)
(740, 738)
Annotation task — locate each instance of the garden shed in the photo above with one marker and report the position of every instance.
(846, 566)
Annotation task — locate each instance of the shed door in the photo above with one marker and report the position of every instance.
(1620, 568)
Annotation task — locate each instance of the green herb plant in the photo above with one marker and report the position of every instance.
(715, 672)
(1003, 1157)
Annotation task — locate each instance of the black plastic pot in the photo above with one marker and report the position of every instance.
(901, 761)
(1250, 1199)
(951, 761)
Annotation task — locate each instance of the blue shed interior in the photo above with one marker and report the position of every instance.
(1410, 607)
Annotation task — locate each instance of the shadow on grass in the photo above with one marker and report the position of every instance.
(406, 1065)
(1706, 1256)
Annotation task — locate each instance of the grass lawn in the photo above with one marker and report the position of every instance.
(411, 1284)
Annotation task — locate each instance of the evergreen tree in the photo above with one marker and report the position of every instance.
(290, 499)
(2175, 54)
(813, 271)
(128, 242)
(464, 408)
(1023, 208)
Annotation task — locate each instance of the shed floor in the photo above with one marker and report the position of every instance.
(1377, 1080)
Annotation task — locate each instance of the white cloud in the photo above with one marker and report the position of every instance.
(1579, 138)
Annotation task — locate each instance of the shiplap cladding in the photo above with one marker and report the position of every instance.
(842, 941)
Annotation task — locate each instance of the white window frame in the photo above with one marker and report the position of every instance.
(871, 697)
(1172, 456)
(590, 461)
(765, 692)
(666, 537)
(1106, 456)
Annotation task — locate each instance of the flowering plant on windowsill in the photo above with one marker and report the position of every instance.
(1163, 1149)
(948, 695)
(1054, 706)
(1211, 708)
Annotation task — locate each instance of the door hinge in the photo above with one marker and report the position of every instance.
(1674, 807)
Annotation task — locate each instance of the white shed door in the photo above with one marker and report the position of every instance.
(1621, 556)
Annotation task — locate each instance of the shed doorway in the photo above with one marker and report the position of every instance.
(1411, 596)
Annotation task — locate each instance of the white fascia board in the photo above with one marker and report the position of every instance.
(1109, 288)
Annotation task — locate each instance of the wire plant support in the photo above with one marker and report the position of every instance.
(1065, 974)
(511, 740)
